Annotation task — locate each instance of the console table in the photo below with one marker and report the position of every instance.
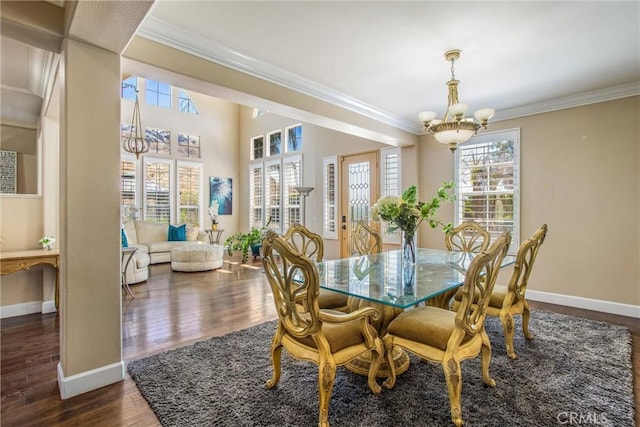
(13, 261)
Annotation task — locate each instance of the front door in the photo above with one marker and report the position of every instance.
(358, 191)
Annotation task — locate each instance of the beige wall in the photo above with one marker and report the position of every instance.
(23, 140)
(580, 175)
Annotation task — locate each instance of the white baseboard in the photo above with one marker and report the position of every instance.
(89, 380)
(48, 307)
(585, 303)
(20, 309)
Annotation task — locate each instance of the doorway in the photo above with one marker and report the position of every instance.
(358, 191)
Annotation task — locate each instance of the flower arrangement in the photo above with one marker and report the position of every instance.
(47, 242)
(406, 213)
(213, 212)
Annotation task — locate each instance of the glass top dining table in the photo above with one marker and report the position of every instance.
(382, 277)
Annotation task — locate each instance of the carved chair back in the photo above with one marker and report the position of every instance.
(478, 285)
(305, 241)
(468, 237)
(366, 240)
(526, 257)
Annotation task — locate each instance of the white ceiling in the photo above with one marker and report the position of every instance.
(385, 59)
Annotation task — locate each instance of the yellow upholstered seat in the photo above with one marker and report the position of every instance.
(445, 337)
(325, 337)
(507, 301)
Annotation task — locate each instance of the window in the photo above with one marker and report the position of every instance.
(159, 140)
(257, 148)
(256, 195)
(189, 192)
(294, 138)
(157, 190)
(330, 197)
(391, 185)
(275, 143)
(128, 174)
(185, 104)
(273, 191)
(158, 94)
(129, 88)
(188, 146)
(487, 179)
(292, 178)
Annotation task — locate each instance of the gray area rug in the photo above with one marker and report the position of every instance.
(574, 372)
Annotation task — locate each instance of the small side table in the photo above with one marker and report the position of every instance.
(214, 235)
(127, 254)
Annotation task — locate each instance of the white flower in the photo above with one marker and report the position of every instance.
(213, 212)
(47, 240)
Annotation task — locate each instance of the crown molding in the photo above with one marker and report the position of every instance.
(170, 35)
(555, 104)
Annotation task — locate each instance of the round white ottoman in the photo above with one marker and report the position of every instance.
(196, 257)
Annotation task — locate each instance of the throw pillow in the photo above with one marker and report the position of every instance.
(178, 233)
(123, 238)
(192, 233)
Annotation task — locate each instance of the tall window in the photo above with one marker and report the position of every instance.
(185, 104)
(294, 138)
(158, 93)
(391, 185)
(292, 178)
(272, 178)
(128, 174)
(129, 88)
(256, 195)
(159, 140)
(157, 190)
(487, 178)
(330, 197)
(189, 192)
(188, 146)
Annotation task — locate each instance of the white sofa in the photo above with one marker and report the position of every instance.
(153, 239)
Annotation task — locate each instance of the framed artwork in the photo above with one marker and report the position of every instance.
(8, 175)
(221, 189)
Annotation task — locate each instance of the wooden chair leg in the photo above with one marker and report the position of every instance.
(453, 375)
(374, 366)
(486, 359)
(276, 353)
(326, 378)
(525, 321)
(507, 325)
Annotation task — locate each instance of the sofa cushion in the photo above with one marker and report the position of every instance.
(130, 231)
(151, 232)
(193, 233)
(157, 247)
(177, 233)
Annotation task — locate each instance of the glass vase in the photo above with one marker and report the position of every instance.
(408, 248)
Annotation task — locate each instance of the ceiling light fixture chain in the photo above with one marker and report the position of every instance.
(135, 142)
(454, 128)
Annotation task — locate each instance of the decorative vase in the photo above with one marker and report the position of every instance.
(47, 247)
(408, 248)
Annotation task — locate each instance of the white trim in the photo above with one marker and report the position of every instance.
(585, 303)
(48, 307)
(20, 309)
(89, 380)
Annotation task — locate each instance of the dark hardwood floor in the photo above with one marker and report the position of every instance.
(169, 310)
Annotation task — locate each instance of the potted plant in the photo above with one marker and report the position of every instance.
(244, 241)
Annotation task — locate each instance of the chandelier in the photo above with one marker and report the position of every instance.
(134, 142)
(454, 128)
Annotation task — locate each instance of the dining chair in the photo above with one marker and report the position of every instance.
(327, 338)
(467, 237)
(366, 240)
(507, 301)
(447, 337)
(311, 245)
